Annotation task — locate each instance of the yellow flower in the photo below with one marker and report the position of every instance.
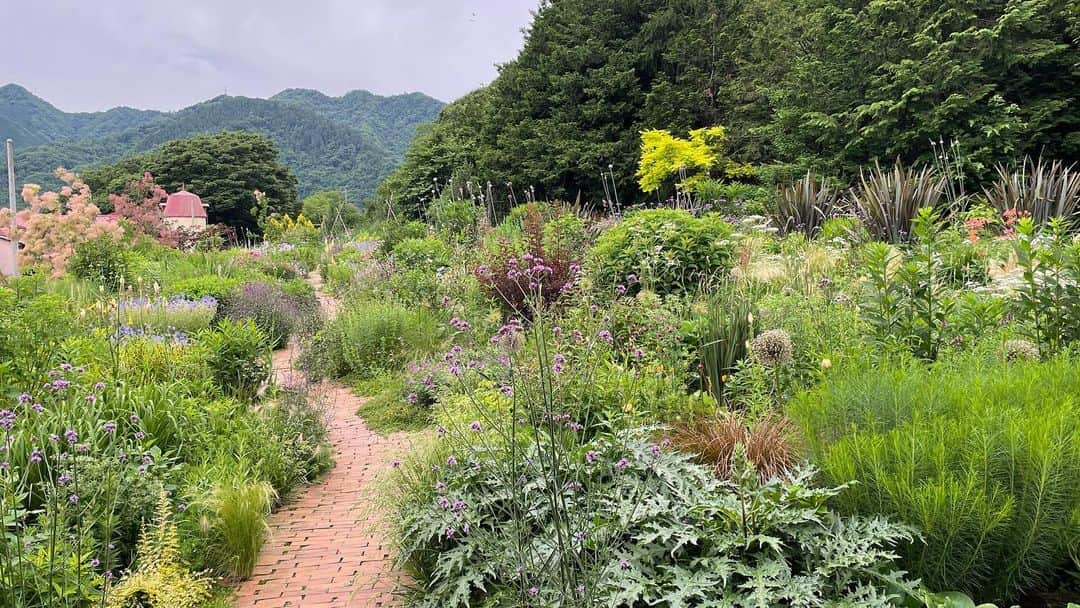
(826, 364)
(628, 407)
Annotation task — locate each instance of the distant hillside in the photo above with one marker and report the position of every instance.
(352, 141)
(392, 119)
(32, 121)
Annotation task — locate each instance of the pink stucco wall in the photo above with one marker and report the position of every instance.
(7, 260)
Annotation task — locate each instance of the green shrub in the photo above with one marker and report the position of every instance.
(844, 227)
(366, 338)
(428, 253)
(238, 354)
(1049, 294)
(284, 270)
(515, 218)
(31, 331)
(102, 260)
(983, 459)
(414, 287)
(564, 235)
(150, 360)
(668, 250)
(389, 408)
(734, 198)
(906, 304)
(394, 232)
(298, 288)
(297, 423)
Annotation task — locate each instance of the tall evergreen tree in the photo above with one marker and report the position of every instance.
(881, 78)
(826, 83)
(592, 75)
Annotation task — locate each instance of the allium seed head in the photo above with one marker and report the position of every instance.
(773, 348)
(1020, 350)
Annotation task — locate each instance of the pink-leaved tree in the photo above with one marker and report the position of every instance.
(141, 207)
(53, 224)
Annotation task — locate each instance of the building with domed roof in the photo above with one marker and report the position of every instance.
(184, 209)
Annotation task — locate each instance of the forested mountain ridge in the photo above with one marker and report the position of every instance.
(330, 143)
(31, 121)
(393, 119)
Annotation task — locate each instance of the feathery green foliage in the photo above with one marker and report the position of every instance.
(983, 458)
(236, 521)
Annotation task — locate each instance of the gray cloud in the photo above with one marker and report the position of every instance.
(86, 55)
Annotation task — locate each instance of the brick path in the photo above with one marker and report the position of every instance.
(327, 546)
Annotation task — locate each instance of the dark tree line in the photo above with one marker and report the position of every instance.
(224, 170)
(829, 84)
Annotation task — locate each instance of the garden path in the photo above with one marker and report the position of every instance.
(328, 545)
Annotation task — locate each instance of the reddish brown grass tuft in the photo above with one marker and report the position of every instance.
(772, 443)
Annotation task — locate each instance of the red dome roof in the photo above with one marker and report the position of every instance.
(184, 204)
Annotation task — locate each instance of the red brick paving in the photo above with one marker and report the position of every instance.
(328, 546)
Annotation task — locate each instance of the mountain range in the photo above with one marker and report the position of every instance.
(331, 143)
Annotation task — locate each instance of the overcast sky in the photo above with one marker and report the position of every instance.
(84, 55)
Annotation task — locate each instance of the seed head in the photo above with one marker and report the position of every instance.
(773, 348)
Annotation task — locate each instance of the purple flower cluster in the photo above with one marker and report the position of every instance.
(176, 303)
(516, 280)
(422, 381)
(172, 335)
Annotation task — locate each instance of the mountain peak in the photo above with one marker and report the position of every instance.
(16, 93)
(12, 87)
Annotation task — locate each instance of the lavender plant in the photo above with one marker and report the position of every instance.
(161, 315)
(276, 313)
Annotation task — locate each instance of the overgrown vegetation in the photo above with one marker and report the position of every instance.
(830, 359)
